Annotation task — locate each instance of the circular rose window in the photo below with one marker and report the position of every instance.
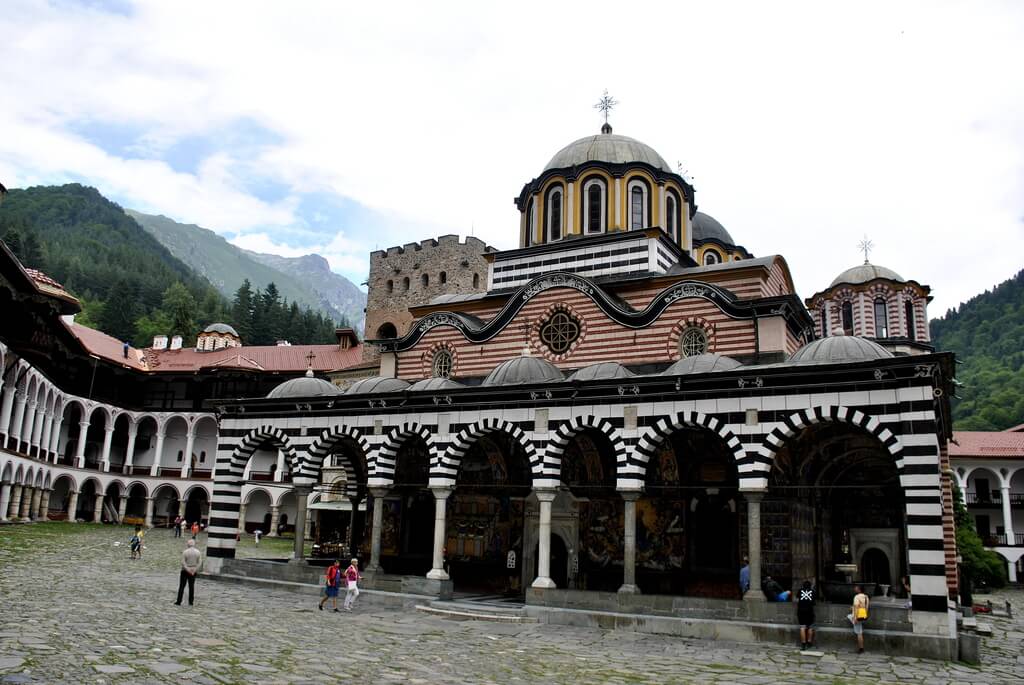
(693, 341)
(442, 366)
(559, 332)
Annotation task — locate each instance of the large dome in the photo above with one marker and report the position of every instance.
(220, 328)
(707, 228)
(607, 147)
(863, 273)
(523, 370)
(840, 348)
(307, 386)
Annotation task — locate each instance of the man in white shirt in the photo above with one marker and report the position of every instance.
(191, 558)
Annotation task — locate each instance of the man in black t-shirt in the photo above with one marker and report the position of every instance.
(805, 615)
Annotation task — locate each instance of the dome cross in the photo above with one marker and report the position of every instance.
(865, 246)
(605, 106)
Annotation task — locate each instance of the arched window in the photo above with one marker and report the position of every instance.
(405, 283)
(824, 321)
(848, 317)
(553, 220)
(202, 457)
(881, 319)
(712, 257)
(442, 366)
(476, 280)
(594, 193)
(181, 455)
(443, 276)
(693, 341)
(391, 286)
(908, 308)
(531, 230)
(425, 280)
(672, 217)
(638, 214)
(387, 330)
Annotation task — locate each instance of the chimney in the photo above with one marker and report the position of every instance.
(346, 338)
(176, 342)
(283, 343)
(159, 342)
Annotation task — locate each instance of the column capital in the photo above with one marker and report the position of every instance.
(630, 495)
(441, 492)
(380, 492)
(753, 495)
(545, 494)
(84, 423)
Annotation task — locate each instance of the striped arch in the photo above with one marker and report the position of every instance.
(445, 463)
(311, 464)
(381, 466)
(634, 473)
(227, 486)
(796, 422)
(567, 431)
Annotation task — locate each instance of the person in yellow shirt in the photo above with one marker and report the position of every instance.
(859, 615)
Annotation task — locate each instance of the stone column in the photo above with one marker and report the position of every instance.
(38, 417)
(58, 423)
(97, 511)
(308, 530)
(275, 515)
(83, 434)
(26, 503)
(158, 453)
(5, 412)
(122, 507)
(629, 539)
(181, 507)
(279, 468)
(186, 462)
(44, 506)
(5, 500)
(73, 506)
(241, 517)
(440, 509)
(301, 498)
(44, 436)
(108, 440)
(19, 415)
(37, 497)
(378, 522)
(543, 579)
(754, 594)
(15, 506)
(150, 503)
(350, 538)
(1008, 516)
(29, 427)
(129, 455)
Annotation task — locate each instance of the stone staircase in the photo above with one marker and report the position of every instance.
(469, 610)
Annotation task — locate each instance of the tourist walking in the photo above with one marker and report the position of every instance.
(859, 615)
(190, 560)
(352, 579)
(744, 577)
(135, 543)
(332, 578)
(195, 529)
(177, 526)
(805, 615)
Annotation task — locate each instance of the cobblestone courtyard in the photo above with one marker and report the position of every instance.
(74, 609)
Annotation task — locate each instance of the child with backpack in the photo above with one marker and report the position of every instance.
(135, 544)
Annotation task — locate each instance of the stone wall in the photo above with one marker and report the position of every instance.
(416, 273)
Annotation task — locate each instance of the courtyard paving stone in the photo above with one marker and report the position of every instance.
(77, 610)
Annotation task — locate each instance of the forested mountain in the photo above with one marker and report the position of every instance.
(987, 334)
(131, 286)
(307, 280)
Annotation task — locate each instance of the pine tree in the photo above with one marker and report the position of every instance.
(120, 310)
(242, 313)
(180, 308)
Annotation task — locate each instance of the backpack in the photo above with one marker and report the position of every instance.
(135, 541)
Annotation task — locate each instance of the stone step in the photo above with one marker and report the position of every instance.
(970, 623)
(458, 611)
(984, 629)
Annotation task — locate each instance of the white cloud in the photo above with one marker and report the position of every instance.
(805, 125)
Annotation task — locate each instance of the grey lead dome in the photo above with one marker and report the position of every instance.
(220, 328)
(607, 147)
(702, 363)
(307, 386)
(863, 273)
(523, 370)
(706, 227)
(840, 348)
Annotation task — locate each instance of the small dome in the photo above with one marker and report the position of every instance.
(220, 328)
(607, 147)
(522, 370)
(376, 384)
(307, 386)
(840, 348)
(707, 228)
(863, 273)
(604, 370)
(435, 384)
(701, 363)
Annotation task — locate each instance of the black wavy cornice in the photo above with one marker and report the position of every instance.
(478, 331)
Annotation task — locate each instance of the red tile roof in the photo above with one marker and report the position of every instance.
(987, 445)
(269, 358)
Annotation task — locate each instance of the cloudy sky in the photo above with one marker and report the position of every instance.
(344, 127)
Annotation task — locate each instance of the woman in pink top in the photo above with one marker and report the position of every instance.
(352, 578)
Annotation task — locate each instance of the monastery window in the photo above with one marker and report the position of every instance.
(711, 257)
(672, 217)
(425, 280)
(553, 220)
(202, 457)
(531, 230)
(881, 319)
(181, 455)
(908, 307)
(594, 192)
(637, 205)
(442, 366)
(387, 330)
(443, 277)
(824, 321)
(476, 280)
(405, 284)
(391, 286)
(848, 317)
(559, 332)
(693, 341)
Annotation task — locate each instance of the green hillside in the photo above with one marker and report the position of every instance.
(131, 286)
(306, 280)
(987, 334)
